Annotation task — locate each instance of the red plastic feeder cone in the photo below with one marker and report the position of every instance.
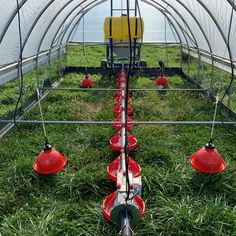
(115, 142)
(118, 99)
(118, 91)
(161, 81)
(109, 201)
(87, 82)
(118, 126)
(118, 75)
(118, 84)
(207, 160)
(108, 205)
(117, 110)
(49, 161)
(114, 166)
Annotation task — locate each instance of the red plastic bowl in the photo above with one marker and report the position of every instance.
(208, 161)
(118, 99)
(87, 82)
(49, 162)
(115, 142)
(161, 81)
(114, 166)
(108, 205)
(117, 110)
(118, 126)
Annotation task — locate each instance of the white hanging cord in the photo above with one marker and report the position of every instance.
(41, 114)
(214, 117)
(216, 107)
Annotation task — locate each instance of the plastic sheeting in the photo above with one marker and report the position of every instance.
(156, 27)
(203, 24)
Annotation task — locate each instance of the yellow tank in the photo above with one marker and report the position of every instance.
(119, 28)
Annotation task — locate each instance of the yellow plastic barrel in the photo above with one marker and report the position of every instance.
(116, 27)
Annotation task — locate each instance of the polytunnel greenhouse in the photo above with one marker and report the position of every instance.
(117, 117)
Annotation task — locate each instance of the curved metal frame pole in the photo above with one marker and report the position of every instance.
(51, 22)
(65, 19)
(180, 42)
(205, 36)
(180, 16)
(63, 33)
(78, 21)
(182, 30)
(83, 11)
(73, 28)
(201, 3)
(61, 26)
(81, 14)
(11, 19)
(53, 19)
(218, 27)
(103, 2)
(35, 22)
(188, 27)
(163, 10)
(232, 3)
(222, 34)
(142, 1)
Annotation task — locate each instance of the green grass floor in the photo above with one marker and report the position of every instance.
(179, 201)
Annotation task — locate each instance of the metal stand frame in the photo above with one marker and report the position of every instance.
(113, 46)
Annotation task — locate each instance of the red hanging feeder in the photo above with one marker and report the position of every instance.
(87, 82)
(108, 205)
(49, 161)
(161, 81)
(119, 126)
(114, 166)
(115, 142)
(208, 160)
(118, 99)
(117, 110)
